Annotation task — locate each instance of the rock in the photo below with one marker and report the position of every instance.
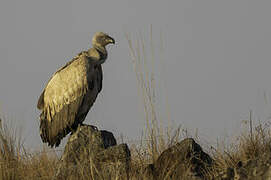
(228, 174)
(148, 172)
(185, 160)
(254, 169)
(93, 154)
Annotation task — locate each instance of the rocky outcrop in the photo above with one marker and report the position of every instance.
(185, 160)
(93, 154)
(259, 169)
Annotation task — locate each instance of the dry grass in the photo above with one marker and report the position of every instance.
(253, 145)
(155, 138)
(18, 163)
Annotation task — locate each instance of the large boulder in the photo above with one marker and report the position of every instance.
(185, 160)
(93, 154)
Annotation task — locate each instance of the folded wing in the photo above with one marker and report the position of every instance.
(64, 96)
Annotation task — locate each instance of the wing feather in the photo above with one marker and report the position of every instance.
(62, 98)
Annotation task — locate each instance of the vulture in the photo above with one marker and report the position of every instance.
(71, 92)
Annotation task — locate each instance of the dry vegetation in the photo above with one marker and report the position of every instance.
(18, 163)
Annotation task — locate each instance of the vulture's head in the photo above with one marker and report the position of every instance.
(102, 39)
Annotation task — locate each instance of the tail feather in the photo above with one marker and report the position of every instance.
(52, 132)
(43, 128)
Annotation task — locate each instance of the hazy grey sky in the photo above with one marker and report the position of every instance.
(217, 59)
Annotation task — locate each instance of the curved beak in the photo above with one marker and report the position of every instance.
(111, 40)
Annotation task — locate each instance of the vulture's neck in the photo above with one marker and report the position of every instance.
(99, 53)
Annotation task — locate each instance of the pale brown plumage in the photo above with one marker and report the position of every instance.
(71, 91)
